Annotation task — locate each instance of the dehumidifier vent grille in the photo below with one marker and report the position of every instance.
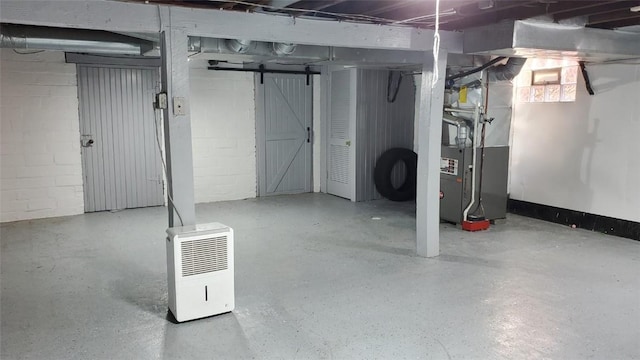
(204, 256)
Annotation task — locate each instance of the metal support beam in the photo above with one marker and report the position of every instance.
(177, 127)
(429, 142)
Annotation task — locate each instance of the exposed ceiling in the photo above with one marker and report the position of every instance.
(454, 14)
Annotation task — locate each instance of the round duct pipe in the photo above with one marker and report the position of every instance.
(284, 48)
(507, 71)
(239, 46)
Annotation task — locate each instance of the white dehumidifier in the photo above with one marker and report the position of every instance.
(200, 270)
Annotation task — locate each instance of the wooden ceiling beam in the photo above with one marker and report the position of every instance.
(317, 5)
(523, 11)
(612, 16)
(618, 23)
(595, 8)
(390, 7)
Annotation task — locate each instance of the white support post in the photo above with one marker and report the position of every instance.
(177, 127)
(429, 143)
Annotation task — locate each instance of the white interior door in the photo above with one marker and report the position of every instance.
(341, 140)
(284, 134)
(120, 160)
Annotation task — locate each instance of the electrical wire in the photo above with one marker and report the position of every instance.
(436, 47)
(164, 167)
(393, 97)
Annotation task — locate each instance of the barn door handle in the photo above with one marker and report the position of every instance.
(308, 134)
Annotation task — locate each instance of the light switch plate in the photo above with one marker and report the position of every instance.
(179, 106)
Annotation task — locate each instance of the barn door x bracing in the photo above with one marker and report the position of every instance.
(121, 163)
(284, 113)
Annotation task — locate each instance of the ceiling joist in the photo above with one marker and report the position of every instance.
(593, 8)
(612, 16)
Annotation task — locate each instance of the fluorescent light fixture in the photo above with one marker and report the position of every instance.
(635, 9)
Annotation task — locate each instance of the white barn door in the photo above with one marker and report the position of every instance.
(284, 134)
(121, 163)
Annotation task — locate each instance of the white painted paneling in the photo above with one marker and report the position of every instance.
(585, 155)
(341, 141)
(381, 125)
(224, 137)
(122, 167)
(40, 161)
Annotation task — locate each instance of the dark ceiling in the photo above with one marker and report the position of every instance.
(454, 14)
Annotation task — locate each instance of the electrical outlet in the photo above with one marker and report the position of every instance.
(179, 106)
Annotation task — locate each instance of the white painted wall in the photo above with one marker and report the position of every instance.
(583, 156)
(224, 134)
(40, 165)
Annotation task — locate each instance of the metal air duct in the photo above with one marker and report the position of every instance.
(507, 71)
(529, 38)
(239, 46)
(284, 48)
(72, 40)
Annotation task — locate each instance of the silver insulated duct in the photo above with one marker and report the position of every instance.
(71, 40)
(239, 46)
(529, 38)
(507, 71)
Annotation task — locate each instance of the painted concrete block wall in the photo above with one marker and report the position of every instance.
(40, 165)
(585, 155)
(224, 136)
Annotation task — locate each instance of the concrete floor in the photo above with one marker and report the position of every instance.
(317, 277)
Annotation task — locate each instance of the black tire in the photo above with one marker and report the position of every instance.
(384, 167)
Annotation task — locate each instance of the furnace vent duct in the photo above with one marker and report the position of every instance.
(462, 130)
(507, 71)
(284, 48)
(239, 46)
(531, 38)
